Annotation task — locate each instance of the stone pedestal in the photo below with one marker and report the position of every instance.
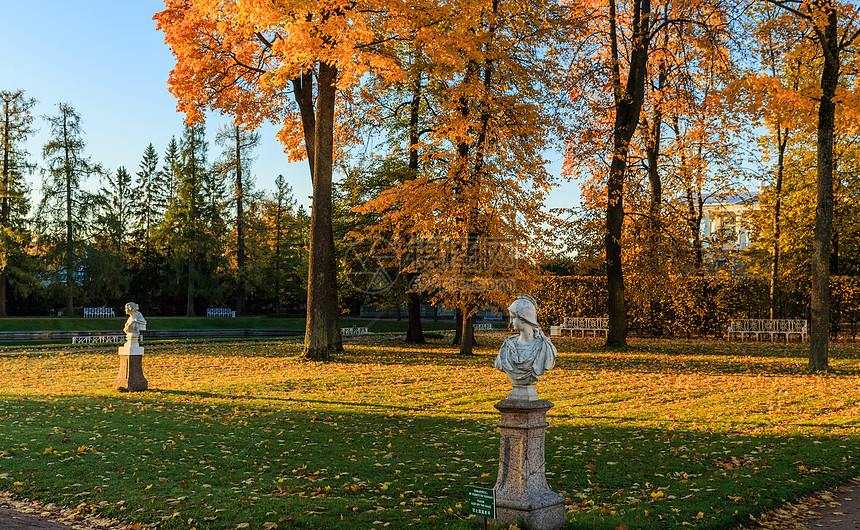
(522, 494)
(130, 376)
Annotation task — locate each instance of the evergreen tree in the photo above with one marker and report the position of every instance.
(238, 146)
(65, 207)
(286, 228)
(114, 215)
(171, 170)
(15, 126)
(106, 257)
(149, 200)
(186, 222)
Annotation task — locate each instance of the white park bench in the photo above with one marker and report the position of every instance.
(353, 331)
(95, 339)
(747, 327)
(482, 326)
(220, 312)
(99, 312)
(594, 325)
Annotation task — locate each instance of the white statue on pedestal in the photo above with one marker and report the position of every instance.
(133, 326)
(130, 376)
(525, 357)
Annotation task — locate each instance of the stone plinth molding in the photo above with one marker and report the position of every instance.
(130, 376)
(522, 493)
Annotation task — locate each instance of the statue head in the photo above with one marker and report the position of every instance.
(525, 308)
(131, 307)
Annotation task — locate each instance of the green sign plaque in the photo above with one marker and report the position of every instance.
(482, 502)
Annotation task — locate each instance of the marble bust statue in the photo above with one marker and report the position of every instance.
(135, 323)
(526, 356)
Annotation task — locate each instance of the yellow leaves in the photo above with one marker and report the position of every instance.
(657, 495)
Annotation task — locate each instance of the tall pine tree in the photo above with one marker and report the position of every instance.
(16, 120)
(65, 207)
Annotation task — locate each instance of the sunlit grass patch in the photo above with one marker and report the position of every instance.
(663, 434)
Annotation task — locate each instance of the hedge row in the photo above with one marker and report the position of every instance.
(692, 305)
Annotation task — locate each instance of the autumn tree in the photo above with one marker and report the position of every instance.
(833, 28)
(234, 166)
(65, 207)
(492, 112)
(773, 88)
(261, 61)
(16, 121)
(659, 69)
(621, 65)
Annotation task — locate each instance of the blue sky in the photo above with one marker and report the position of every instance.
(108, 61)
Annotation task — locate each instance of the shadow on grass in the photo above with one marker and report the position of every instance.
(641, 355)
(272, 399)
(320, 467)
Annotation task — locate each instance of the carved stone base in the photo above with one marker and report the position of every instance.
(130, 377)
(522, 493)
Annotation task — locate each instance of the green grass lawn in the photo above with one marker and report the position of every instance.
(663, 435)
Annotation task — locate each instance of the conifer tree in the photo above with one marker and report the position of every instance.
(238, 145)
(65, 207)
(15, 127)
(149, 198)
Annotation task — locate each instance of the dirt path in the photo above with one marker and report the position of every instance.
(22, 514)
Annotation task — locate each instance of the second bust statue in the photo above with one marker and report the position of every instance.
(525, 357)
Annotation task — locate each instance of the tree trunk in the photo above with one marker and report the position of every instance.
(458, 328)
(820, 304)
(628, 105)
(655, 220)
(782, 142)
(189, 293)
(468, 333)
(3, 281)
(4, 207)
(414, 332)
(322, 333)
(616, 302)
(70, 262)
(240, 228)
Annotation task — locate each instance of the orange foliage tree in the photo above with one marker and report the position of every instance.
(298, 65)
(473, 211)
(831, 29)
(644, 66)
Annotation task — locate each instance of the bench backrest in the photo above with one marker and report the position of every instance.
(219, 312)
(98, 312)
(586, 323)
(778, 325)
